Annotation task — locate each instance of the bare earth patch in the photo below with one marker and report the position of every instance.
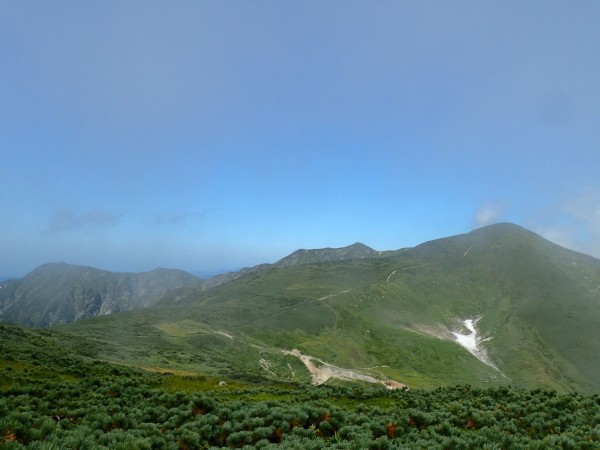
(326, 371)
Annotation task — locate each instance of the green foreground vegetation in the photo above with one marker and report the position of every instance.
(52, 399)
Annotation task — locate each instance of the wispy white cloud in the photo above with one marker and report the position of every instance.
(586, 210)
(574, 224)
(565, 237)
(488, 213)
(177, 218)
(65, 219)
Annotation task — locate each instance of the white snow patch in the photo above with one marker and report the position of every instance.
(468, 341)
(471, 343)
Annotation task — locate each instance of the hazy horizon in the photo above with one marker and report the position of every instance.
(209, 273)
(217, 134)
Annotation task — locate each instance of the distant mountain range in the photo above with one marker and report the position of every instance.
(56, 293)
(499, 305)
(60, 293)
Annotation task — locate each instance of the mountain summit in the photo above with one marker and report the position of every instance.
(57, 293)
(301, 256)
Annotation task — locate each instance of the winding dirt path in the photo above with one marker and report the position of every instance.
(393, 272)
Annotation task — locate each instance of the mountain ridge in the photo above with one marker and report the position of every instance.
(20, 300)
(299, 257)
(535, 307)
(307, 256)
(392, 317)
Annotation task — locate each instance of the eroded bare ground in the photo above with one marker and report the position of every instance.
(326, 371)
(440, 331)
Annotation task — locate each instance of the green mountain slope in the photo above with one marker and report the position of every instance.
(535, 306)
(60, 293)
(300, 257)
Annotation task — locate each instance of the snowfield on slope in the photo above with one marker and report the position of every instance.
(471, 342)
(468, 341)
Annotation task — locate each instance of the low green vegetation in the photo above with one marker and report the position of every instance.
(53, 399)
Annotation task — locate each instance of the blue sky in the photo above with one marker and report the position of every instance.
(215, 135)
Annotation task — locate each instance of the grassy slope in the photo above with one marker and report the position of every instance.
(37, 354)
(538, 302)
